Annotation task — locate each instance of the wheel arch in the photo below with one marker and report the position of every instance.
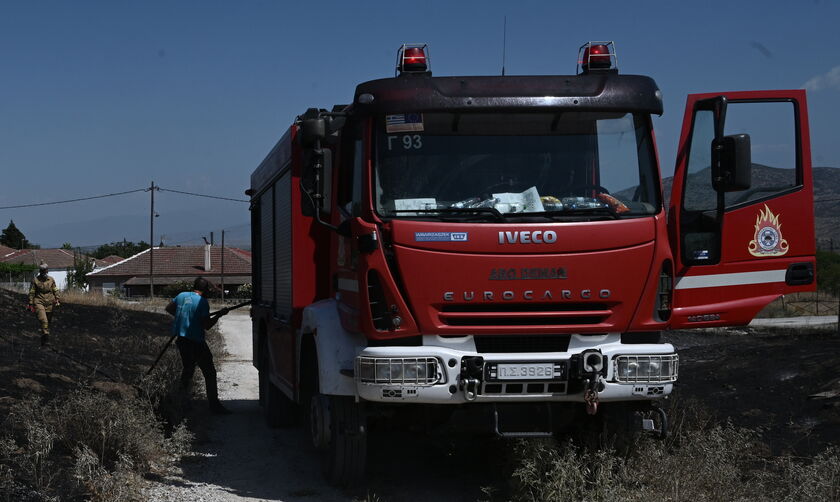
(332, 348)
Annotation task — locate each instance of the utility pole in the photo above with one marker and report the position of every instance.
(152, 242)
(223, 265)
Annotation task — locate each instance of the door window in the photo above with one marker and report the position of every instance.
(699, 194)
(772, 129)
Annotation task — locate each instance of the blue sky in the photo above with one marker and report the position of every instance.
(105, 96)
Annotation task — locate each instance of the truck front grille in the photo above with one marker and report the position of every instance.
(524, 314)
(489, 344)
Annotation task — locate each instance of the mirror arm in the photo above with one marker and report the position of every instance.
(315, 199)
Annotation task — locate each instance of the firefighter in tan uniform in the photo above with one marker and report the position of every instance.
(43, 297)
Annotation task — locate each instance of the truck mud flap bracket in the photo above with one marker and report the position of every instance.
(531, 420)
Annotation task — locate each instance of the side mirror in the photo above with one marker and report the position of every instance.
(312, 131)
(731, 163)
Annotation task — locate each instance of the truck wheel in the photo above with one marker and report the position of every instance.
(339, 432)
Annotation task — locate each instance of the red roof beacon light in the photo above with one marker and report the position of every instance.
(413, 58)
(597, 56)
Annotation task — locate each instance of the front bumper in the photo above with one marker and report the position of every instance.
(432, 373)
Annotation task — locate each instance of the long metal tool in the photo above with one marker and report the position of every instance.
(220, 312)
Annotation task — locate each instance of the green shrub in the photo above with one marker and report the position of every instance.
(172, 290)
(244, 291)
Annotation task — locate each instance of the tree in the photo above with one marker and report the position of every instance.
(13, 238)
(66, 245)
(828, 272)
(82, 266)
(124, 249)
(16, 272)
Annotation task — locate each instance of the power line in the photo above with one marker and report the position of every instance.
(116, 194)
(202, 195)
(74, 200)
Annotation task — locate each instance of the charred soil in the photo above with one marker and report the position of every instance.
(782, 383)
(79, 421)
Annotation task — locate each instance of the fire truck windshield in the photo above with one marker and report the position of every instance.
(559, 163)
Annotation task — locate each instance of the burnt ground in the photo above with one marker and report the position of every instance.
(89, 344)
(784, 383)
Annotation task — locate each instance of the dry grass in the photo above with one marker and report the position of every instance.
(701, 461)
(96, 427)
(94, 299)
(801, 304)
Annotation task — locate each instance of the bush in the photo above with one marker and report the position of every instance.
(245, 291)
(699, 461)
(828, 272)
(172, 290)
(111, 443)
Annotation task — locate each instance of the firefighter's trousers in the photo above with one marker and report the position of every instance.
(44, 314)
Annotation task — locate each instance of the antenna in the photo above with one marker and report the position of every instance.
(504, 45)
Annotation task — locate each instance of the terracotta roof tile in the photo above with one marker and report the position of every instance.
(181, 261)
(110, 260)
(5, 250)
(56, 258)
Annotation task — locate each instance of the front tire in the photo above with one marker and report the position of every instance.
(339, 432)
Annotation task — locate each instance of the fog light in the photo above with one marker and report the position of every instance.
(646, 368)
(406, 370)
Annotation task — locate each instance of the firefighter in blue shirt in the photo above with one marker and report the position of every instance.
(192, 318)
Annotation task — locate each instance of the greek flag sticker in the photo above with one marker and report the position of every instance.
(404, 122)
(441, 236)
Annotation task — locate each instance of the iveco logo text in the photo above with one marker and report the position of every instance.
(562, 294)
(527, 237)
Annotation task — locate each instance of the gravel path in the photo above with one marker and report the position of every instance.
(238, 458)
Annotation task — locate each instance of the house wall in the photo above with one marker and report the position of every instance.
(105, 285)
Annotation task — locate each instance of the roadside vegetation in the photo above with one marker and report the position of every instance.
(702, 460)
(824, 301)
(77, 420)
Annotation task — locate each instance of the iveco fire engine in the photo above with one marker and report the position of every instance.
(498, 249)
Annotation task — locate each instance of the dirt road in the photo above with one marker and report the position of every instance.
(238, 458)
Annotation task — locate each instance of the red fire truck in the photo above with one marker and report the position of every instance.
(498, 249)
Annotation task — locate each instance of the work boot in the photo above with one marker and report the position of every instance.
(217, 409)
(45, 339)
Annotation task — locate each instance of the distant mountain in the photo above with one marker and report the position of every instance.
(176, 228)
(826, 186)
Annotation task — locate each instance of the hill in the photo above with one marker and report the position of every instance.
(826, 187)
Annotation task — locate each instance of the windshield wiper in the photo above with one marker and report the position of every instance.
(455, 210)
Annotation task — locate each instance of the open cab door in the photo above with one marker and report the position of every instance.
(741, 216)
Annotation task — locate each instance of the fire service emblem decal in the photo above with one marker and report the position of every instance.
(768, 240)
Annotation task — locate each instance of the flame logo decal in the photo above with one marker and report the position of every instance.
(768, 240)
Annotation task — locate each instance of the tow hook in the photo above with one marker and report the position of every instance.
(590, 395)
(472, 372)
(592, 368)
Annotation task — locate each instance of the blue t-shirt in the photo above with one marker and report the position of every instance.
(192, 308)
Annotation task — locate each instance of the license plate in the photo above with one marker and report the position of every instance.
(525, 371)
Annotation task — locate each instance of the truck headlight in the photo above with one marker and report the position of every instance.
(394, 370)
(646, 368)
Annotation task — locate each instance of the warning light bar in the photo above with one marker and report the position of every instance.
(413, 58)
(597, 56)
